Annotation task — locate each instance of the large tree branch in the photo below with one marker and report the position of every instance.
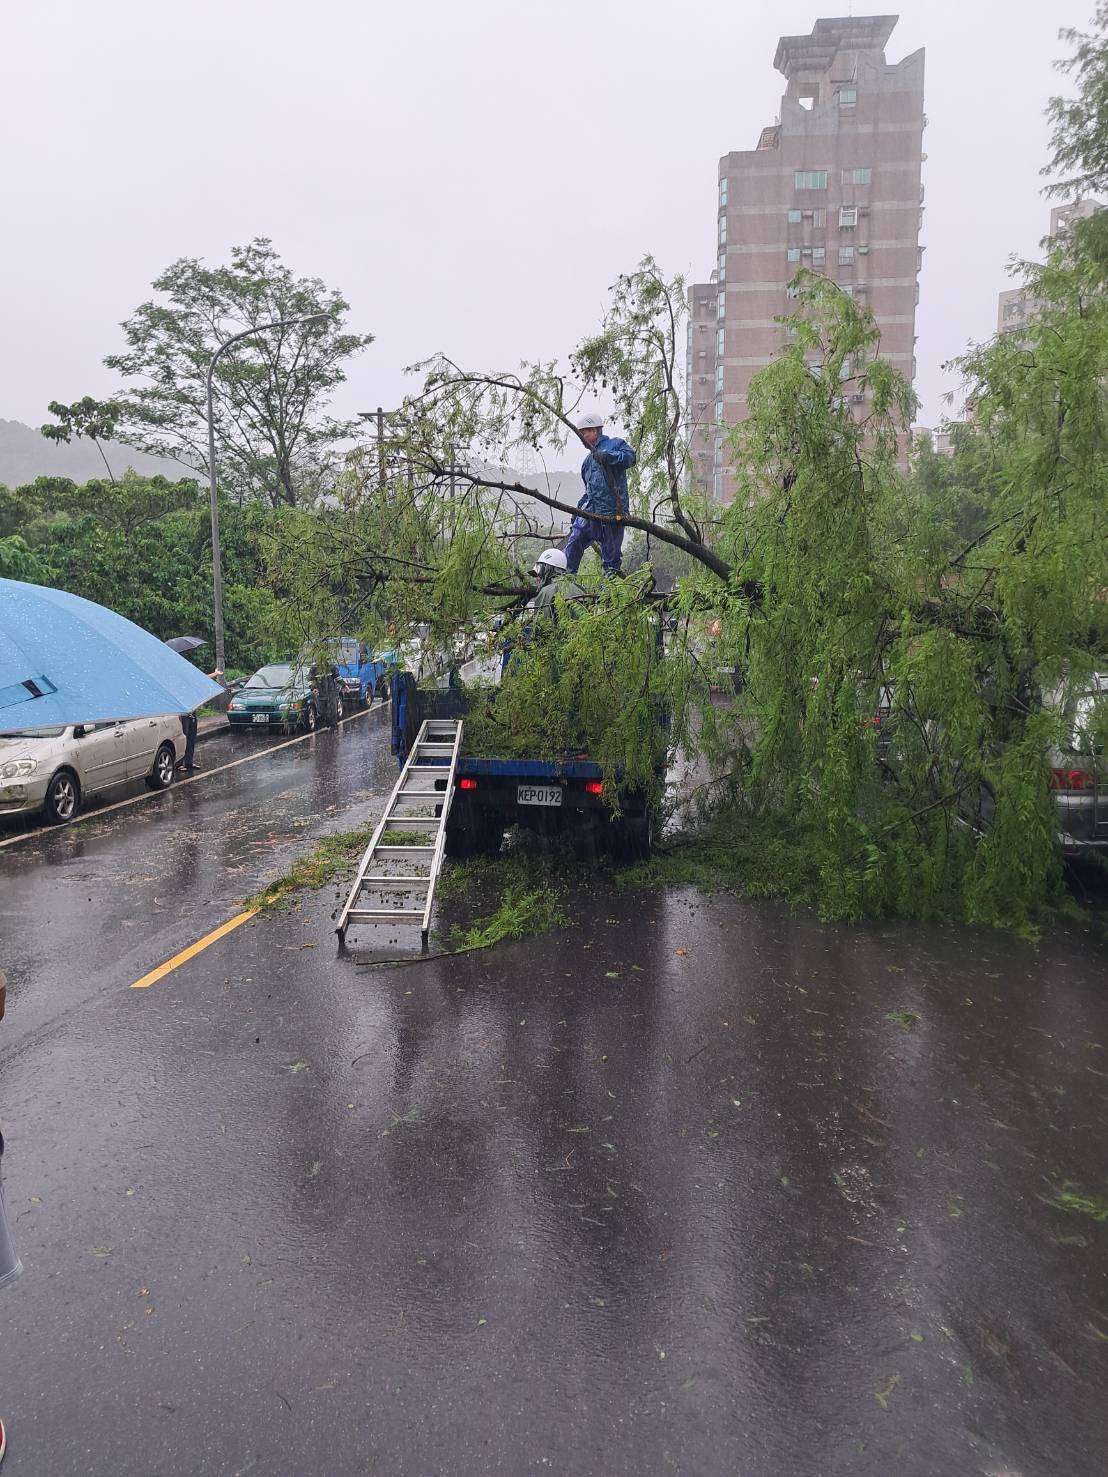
(719, 567)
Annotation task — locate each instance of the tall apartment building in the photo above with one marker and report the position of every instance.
(834, 186)
(1016, 307)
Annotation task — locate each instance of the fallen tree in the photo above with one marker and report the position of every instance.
(899, 634)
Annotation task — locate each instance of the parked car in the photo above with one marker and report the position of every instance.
(276, 696)
(1079, 768)
(54, 769)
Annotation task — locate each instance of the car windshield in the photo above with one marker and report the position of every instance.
(34, 733)
(1088, 723)
(279, 675)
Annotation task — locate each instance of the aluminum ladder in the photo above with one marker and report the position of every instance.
(390, 870)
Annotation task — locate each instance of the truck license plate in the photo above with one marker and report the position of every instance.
(539, 795)
(261, 717)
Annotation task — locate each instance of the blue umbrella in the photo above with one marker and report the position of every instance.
(66, 660)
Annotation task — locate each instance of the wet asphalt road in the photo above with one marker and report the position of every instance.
(692, 1186)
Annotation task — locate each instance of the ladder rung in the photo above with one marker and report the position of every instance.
(413, 820)
(409, 884)
(445, 750)
(428, 768)
(420, 794)
(385, 915)
(402, 850)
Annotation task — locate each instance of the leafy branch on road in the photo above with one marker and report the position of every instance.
(328, 859)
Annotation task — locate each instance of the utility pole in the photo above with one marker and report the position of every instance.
(217, 558)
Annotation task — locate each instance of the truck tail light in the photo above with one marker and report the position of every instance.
(467, 784)
(594, 787)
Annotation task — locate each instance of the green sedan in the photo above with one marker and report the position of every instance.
(277, 696)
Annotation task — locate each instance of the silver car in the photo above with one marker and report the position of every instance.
(53, 769)
(1079, 768)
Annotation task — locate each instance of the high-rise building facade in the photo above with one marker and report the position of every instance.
(1016, 306)
(833, 186)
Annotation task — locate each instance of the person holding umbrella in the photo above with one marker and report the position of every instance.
(189, 721)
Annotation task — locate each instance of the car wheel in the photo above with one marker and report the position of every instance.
(309, 718)
(340, 709)
(63, 795)
(632, 837)
(161, 776)
(370, 694)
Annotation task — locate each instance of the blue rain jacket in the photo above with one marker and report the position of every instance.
(616, 456)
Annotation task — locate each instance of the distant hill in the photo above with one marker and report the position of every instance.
(26, 454)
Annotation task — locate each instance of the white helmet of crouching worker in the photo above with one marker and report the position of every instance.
(590, 421)
(549, 562)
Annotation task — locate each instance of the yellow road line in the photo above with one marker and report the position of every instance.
(191, 952)
(193, 779)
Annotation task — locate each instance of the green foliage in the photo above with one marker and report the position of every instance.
(898, 755)
(1079, 133)
(18, 562)
(590, 680)
(529, 902)
(272, 440)
(94, 419)
(142, 546)
(1074, 1201)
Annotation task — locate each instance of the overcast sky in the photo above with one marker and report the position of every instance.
(472, 176)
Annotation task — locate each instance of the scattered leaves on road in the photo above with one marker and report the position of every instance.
(883, 1392)
(905, 1019)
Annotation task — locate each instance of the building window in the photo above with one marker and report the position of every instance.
(848, 288)
(722, 193)
(819, 218)
(721, 304)
(848, 217)
(722, 268)
(793, 254)
(848, 97)
(795, 217)
(792, 290)
(810, 179)
(846, 256)
(860, 176)
(723, 230)
(719, 412)
(719, 379)
(819, 255)
(719, 343)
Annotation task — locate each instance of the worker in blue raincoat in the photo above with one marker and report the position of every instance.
(604, 473)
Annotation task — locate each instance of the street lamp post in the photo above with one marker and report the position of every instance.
(217, 561)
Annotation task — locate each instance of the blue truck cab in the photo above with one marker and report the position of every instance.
(360, 674)
(563, 795)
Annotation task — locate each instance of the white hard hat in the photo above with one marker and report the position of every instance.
(590, 421)
(552, 557)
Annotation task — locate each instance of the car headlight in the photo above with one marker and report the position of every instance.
(17, 768)
(235, 706)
